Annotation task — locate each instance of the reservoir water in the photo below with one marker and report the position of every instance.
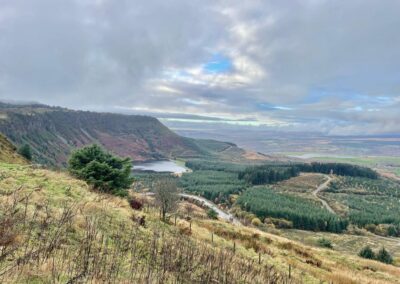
(160, 166)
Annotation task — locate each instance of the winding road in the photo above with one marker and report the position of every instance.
(207, 203)
(231, 218)
(320, 188)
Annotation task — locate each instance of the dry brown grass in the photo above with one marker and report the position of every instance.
(8, 152)
(71, 235)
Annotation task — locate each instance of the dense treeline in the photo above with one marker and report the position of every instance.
(212, 184)
(267, 174)
(340, 169)
(372, 210)
(305, 214)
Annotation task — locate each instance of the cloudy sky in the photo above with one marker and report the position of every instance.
(316, 65)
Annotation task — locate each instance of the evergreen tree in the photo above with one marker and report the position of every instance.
(384, 256)
(101, 170)
(392, 231)
(25, 151)
(366, 252)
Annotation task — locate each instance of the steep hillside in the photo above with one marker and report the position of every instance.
(53, 229)
(8, 152)
(53, 132)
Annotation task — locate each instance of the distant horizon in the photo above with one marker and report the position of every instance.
(216, 121)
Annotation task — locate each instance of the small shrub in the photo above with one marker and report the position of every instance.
(212, 214)
(370, 228)
(279, 223)
(366, 252)
(8, 232)
(135, 203)
(384, 256)
(322, 242)
(314, 262)
(256, 222)
(185, 231)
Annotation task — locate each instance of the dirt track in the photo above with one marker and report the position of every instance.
(320, 188)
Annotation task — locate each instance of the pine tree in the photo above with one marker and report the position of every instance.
(366, 252)
(102, 170)
(25, 151)
(384, 256)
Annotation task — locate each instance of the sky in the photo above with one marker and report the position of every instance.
(313, 65)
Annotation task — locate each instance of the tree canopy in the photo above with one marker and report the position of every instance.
(367, 252)
(25, 151)
(102, 170)
(384, 256)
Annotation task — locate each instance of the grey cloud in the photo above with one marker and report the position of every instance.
(101, 54)
(75, 52)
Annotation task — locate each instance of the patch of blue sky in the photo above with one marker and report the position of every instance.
(282, 108)
(356, 108)
(218, 64)
(267, 106)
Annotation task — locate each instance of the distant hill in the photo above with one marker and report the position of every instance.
(53, 132)
(8, 152)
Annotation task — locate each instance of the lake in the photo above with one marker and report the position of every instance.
(160, 166)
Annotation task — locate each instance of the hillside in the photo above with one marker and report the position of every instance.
(8, 152)
(55, 230)
(52, 132)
